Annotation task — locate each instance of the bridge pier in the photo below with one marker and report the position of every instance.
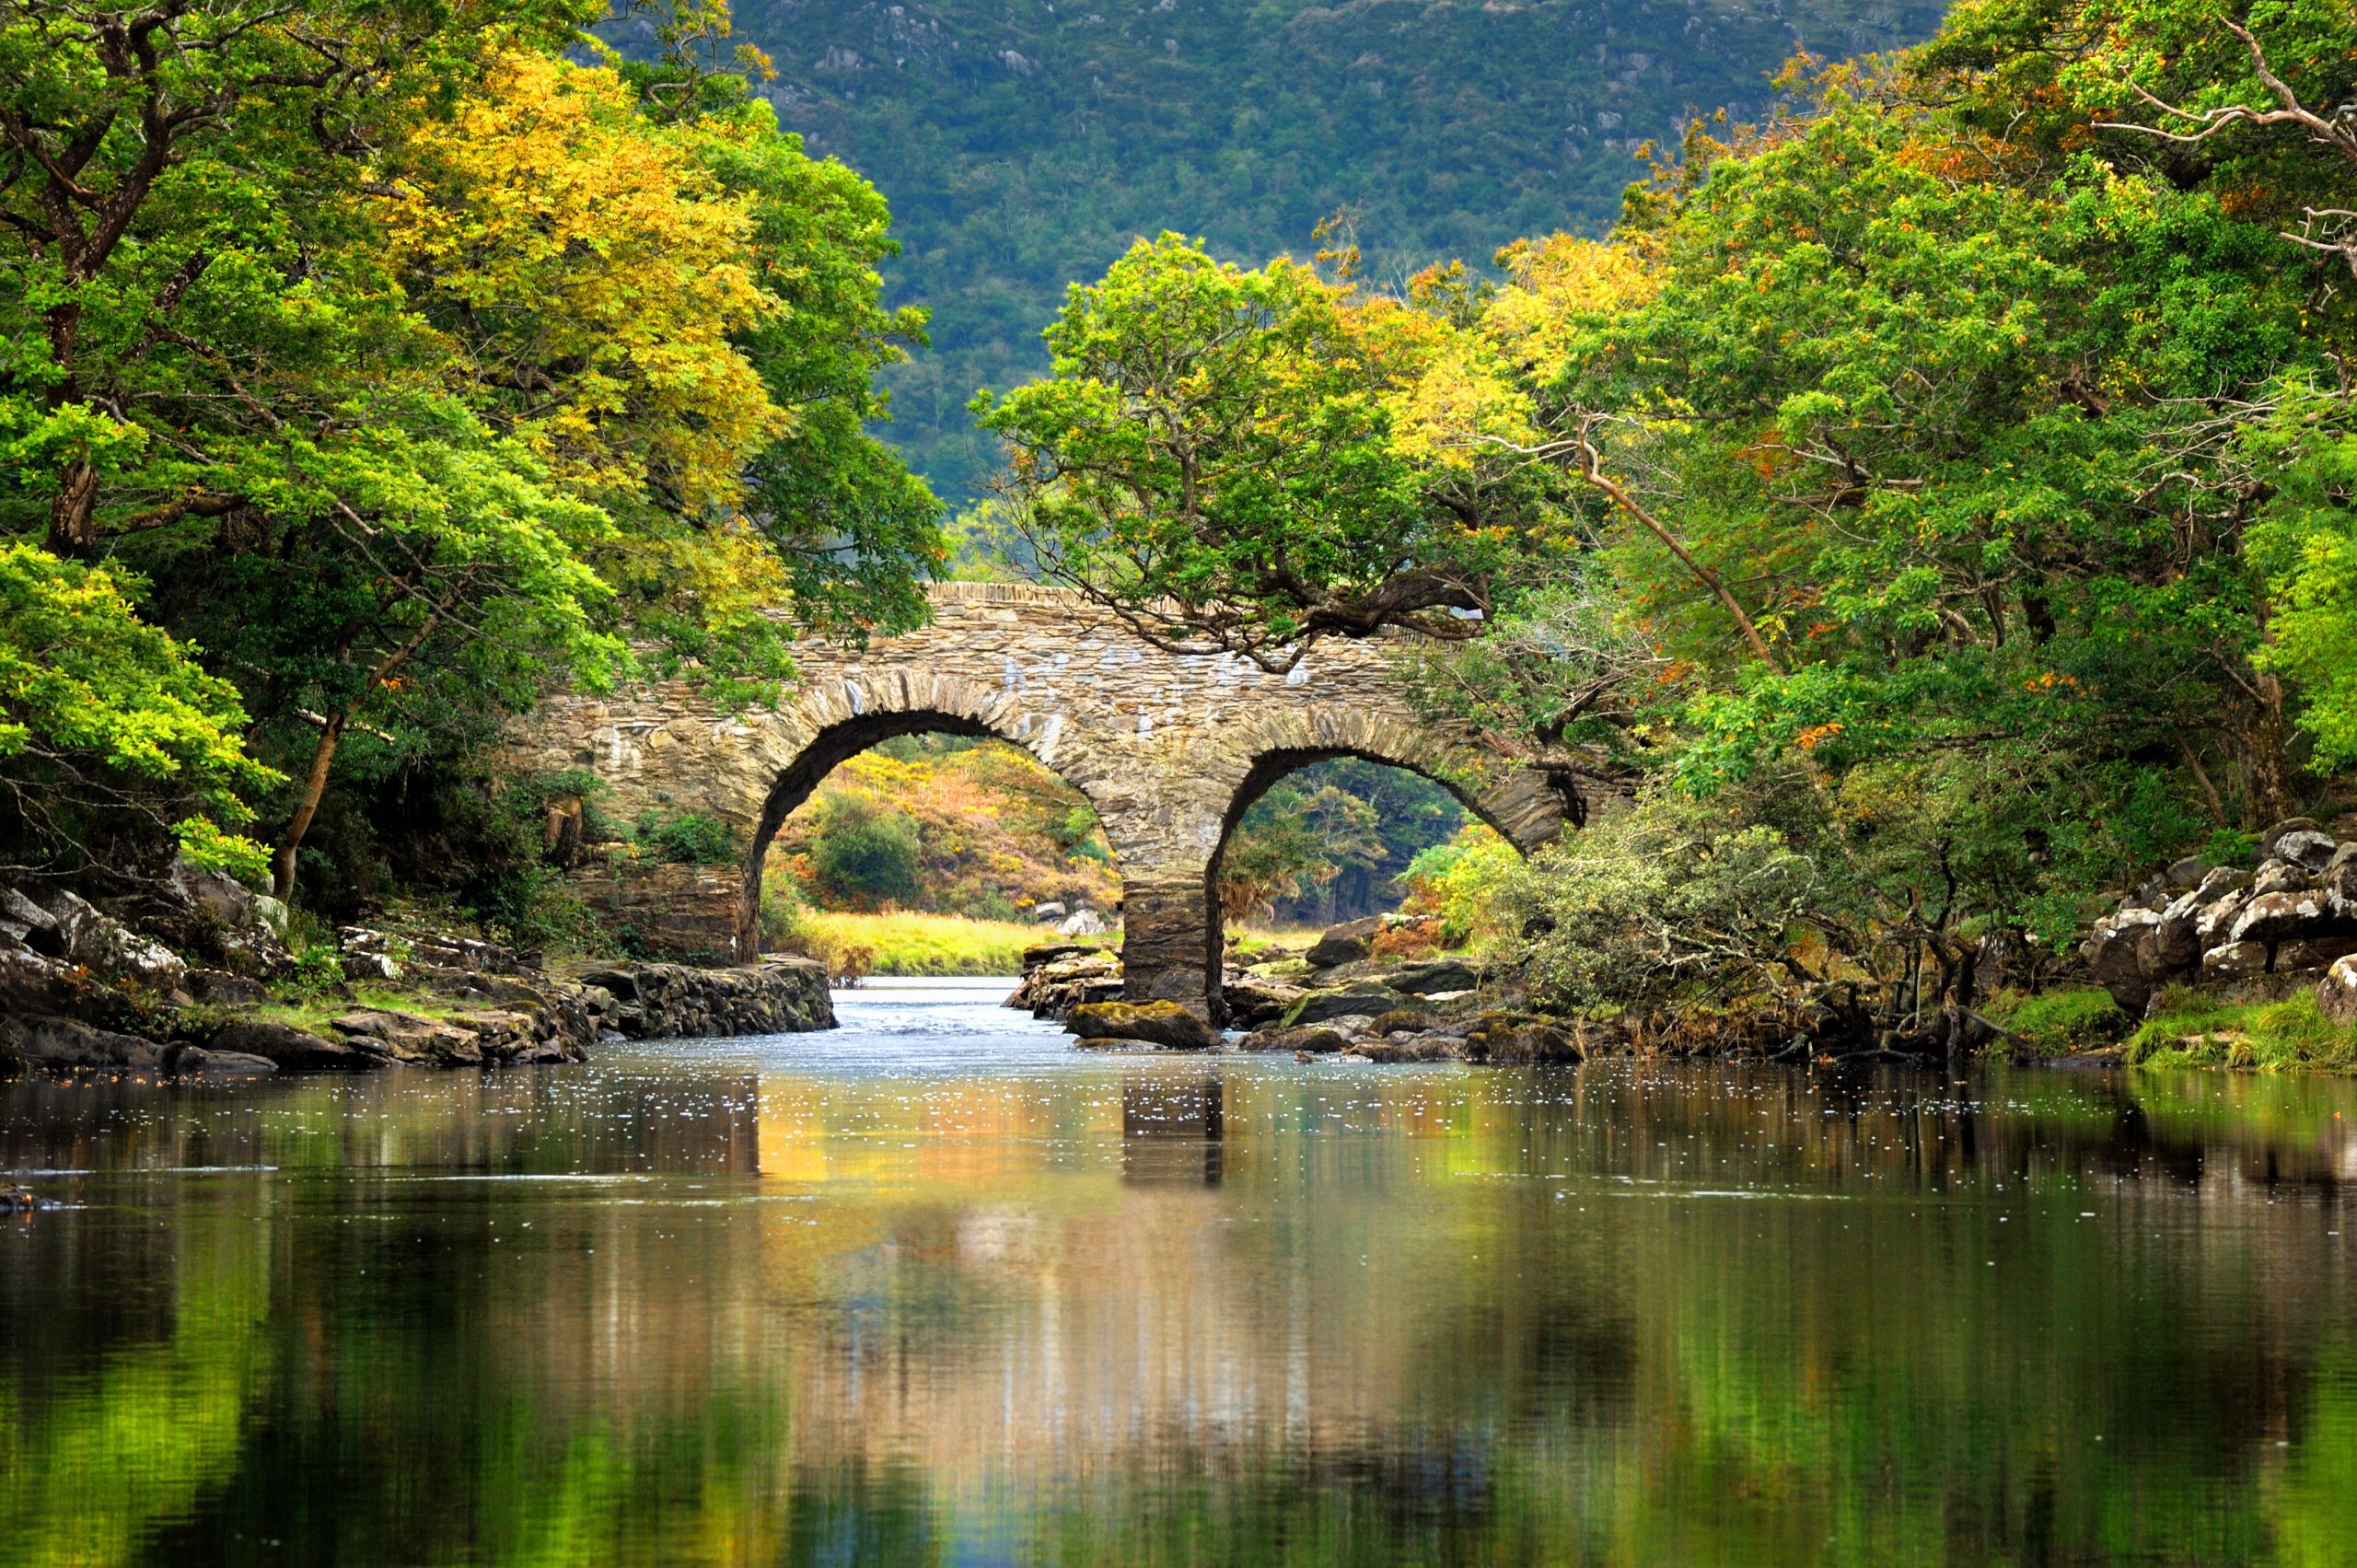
(1168, 952)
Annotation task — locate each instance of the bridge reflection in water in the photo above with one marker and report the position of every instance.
(1105, 1308)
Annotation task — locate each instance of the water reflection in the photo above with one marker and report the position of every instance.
(936, 1288)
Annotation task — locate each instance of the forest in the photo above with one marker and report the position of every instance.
(1022, 145)
(1923, 513)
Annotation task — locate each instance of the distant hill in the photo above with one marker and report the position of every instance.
(1022, 143)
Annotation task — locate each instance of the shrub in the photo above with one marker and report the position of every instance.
(864, 852)
(690, 839)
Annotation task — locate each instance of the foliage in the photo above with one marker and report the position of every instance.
(688, 838)
(1458, 880)
(995, 832)
(910, 942)
(1240, 459)
(103, 715)
(2060, 1022)
(423, 369)
(1668, 901)
(1330, 841)
(1024, 145)
(864, 853)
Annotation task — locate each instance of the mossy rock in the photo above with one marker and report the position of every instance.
(1164, 1024)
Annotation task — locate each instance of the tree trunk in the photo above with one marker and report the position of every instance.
(307, 806)
(74, 515)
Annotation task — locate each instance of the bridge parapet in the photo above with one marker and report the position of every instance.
(1170, 748)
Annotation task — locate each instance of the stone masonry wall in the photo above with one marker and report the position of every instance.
(1170, 748)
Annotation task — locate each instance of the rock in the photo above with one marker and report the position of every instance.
(2283, 830)
(196, 1059)
(1399, 1020)
(1415, 1047)
(2234, 961)
(1164, 1024)
(1513, 1039)
(1082, 923)
(290, 1048)
(2337, 992)
(68, 1042)
(2305, 953)
(2190, 872)
(1048, 912)
(2216, 919)
(1316, 1042)
(225, 923)
(2280, 876)
(108, 948)
(1342, 944)
(1425, 980)
(31, 925)
(2111, 954)
(1323, 1006)
(1251, 1003)
(2277, 917)
(2307, 850)
(219, 988)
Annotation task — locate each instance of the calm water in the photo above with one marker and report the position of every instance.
(935, 1288)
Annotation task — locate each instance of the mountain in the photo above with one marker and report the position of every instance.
(1023, 144)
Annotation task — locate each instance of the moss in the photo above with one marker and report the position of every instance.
(2058, 1023)
(2191, 1030)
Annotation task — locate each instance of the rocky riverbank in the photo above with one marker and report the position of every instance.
(1336, 998)
(206, 985)
(2288, 923)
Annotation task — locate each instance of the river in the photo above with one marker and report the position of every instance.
(936, 1288)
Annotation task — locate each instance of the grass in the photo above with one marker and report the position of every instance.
(2196, 1030)
(2057, 1023)
(917, 944)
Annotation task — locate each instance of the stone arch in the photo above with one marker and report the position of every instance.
(838, 719)
(1524, 807)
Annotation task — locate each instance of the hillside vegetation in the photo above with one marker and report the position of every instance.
(1024, 145)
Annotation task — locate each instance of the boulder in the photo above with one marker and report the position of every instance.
(1428, 979)
(2216, 920)
(2234, 961)
(108, 948)
(1164, 1024)
(2337, 992)
(2111, 954)
(1401, 1020)
(1049, 911)
(196, 1059)
(65, 1042)
(219, 988)
(289, 1047)
(2190, 872)
(1253, 1002)
(1342, 944)
(1316, 1042)
(2310, 851)
(1511, 1040)
(1432, 1047)
(1323, 1006)
(1082, 923)
(2279, 917)
(2302, 954)
(2280, 876)
(2283, 830)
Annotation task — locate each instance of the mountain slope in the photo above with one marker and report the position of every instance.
(1023, 144)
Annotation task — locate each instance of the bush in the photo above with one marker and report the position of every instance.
(864, 852)
(1459, 880)
(690, 839)
(1669, 901)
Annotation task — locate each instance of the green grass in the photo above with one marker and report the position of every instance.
(2196, 1030)
(2056, 1023)
(917, 944)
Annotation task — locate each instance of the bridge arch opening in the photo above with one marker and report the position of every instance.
(1377, 842)
(926, 812)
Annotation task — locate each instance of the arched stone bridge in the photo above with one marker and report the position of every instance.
(1171, 749)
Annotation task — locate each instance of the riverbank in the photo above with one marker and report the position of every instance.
(207, 984)
(910, 942)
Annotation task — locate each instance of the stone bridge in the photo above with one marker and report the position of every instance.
(1170, 748)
